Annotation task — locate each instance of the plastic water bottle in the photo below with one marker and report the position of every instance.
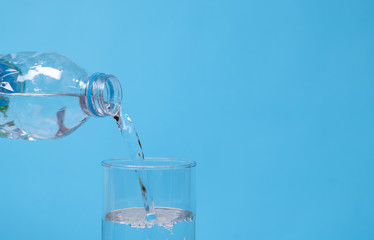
(46, 95)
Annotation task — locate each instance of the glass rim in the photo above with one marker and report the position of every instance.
(166, 163)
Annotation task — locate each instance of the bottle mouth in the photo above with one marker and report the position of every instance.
(104, 95)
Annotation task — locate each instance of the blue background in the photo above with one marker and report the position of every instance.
(273, 99)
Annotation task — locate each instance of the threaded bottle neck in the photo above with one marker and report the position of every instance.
(103, 95)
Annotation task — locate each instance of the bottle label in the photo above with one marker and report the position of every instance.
(4, 104)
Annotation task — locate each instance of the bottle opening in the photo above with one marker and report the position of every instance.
(104, 95)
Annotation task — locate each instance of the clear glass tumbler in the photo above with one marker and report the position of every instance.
(172, 184)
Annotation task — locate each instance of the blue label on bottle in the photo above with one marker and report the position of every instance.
(9, 82)
(4, 104)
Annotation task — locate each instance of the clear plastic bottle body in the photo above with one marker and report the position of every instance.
(46, 95)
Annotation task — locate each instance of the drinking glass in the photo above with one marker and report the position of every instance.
(171, 185)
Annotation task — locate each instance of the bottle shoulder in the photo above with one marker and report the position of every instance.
(41, 73)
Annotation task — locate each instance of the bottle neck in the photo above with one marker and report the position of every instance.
(103, 95)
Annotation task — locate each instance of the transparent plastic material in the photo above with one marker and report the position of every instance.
(46, 95)
(173, 187)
